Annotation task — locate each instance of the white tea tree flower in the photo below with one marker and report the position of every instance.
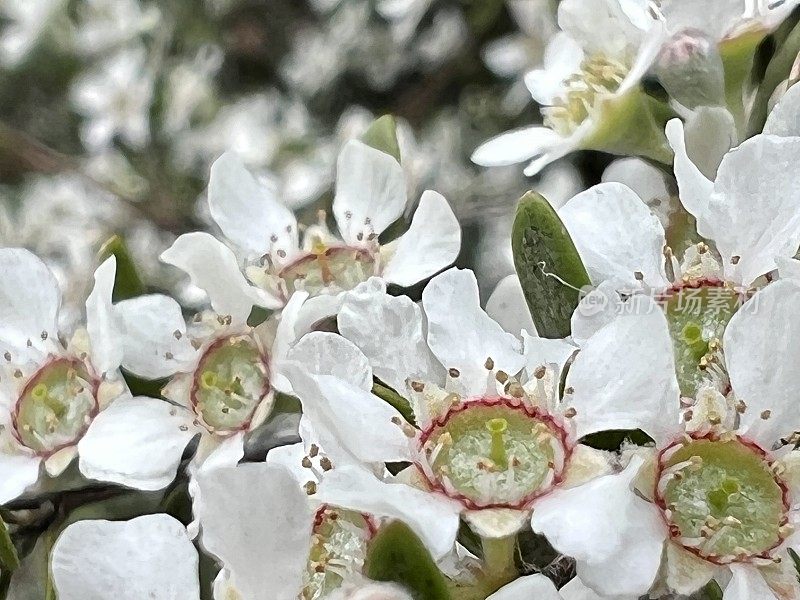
(223, 373)
(291, 545)
(146, 557)
(716, 497)
(64, 397)
(114, 98)
(749, 216)
(588, 88)
(370, 196)
(493, 443)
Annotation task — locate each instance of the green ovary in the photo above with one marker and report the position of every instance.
(338, 548)
(55, 407)
(696, 316)
(493, 455)
(332, 269)
(230, 382)
(728, 497)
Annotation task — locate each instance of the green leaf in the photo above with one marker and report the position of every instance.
(9, 560)
(711, 591)
(127, 284)
(382, 135)
(397, 555)
(548, 265)
(389, 396)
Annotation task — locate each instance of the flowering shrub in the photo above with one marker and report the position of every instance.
(324, 408)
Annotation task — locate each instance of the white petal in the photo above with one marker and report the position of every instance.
(710, 132)
(104, 333)
(212, 267)
(264, 545)
(431, 243)
(747, 584)
(247, 211)
(527, 588)
(17, 473)
(508, 307)
(29, 299)
(462, 335)
(576, 590)
(147, 557)
(516, 146)
(695, 189)
(628, 238)
(495, 523)
(317, 309)
(136, 442)
(785, 116)
(615, 536)
(562, 58)
(323, 353)
(370, 191)
(149, 325)
(755, 207)
(649, 182)
(433, 517)
(390, 331)
(610, 30)
(624, 375)
(598, 307)
(543, 351)
(351, 420)
(762, 354)
(287, 333)
(788, 268)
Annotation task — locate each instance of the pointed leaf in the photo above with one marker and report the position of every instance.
(382, 135)
(548, 265)
(397, 555)
(8, 553)
(128, 283)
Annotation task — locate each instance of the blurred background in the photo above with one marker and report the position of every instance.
(111, 112)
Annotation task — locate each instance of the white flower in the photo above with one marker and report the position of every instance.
(190, 88)
(724, 19)
(147, 557)
(471, 446)
(290, 544)
(370, 196)
(717, 494)
(106, 24)
(115, 99)
(66, 398)
(224, 373)
(604, 49)
(27, 21)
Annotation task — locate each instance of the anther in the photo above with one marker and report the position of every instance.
(765, 414)
(540, 372)
(489, 364)
(453, 372)
(310, 488)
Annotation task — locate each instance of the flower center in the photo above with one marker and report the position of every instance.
(55, 407)
(494, 452)
(721, 499)
(230, 382)
(336, 269)
(597, 77)
(338, 548)
(697, 313)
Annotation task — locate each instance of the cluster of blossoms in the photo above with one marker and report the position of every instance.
(617, 422)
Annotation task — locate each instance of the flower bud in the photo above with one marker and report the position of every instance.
(690, 69)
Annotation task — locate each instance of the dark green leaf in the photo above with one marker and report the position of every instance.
(382, 135)
(8, 553)
(389, 396)
(549, 267)
(397, 555)
(128, 284)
